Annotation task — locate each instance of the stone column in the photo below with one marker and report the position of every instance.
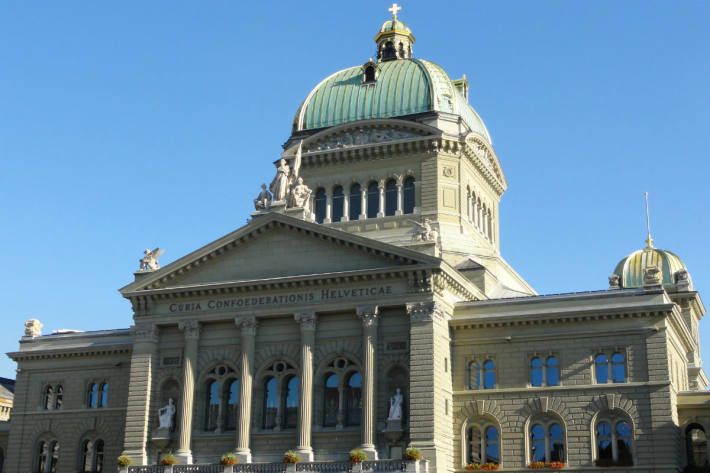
(363, 203)
(191, 328)
(247, 324)
(346, 207)
(381, 208)
(328, 206)
(368, 314)
(400, 196)
(144, 359)
(305, 406)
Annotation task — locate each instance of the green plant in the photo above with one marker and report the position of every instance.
(168, 460)
(124, 461)
(357, 455)
(291, 456)
(412, 454)
(229, 459)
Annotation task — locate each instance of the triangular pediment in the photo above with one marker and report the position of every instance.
(276, 246)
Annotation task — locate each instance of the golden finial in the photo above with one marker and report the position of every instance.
(395, 8)
(649, 240)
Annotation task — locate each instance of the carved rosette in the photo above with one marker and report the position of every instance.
(307, 320)
(425, 311)
(247, 324)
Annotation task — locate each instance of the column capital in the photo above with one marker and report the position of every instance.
(191, 328)
(145, 333)
(368, 314)
(307, 320)
(425, 311)
(247, 324)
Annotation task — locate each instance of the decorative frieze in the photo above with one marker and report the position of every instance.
(425, 311)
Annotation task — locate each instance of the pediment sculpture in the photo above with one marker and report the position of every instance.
(300, 195)
(263, 200)
(149, 261)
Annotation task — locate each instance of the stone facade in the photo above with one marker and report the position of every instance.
(296, 330)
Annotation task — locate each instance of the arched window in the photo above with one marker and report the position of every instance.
(291, 403)
(373, 199)
(2, 460)
(355, 204)
(408, 195)
(547, 441)
(696, 445)
(212, 413)
(618, 368)
(99, 456)
(482, 443)
(88, 456)
(271, 402)
(474, 375)
(58, 399)
(42, 457)
(536, 374)
(232, 404)
(331, 397)
(320, 205)
(370, 74)
(544, 373)
(353, 399)
(93, 456)
(613, 442)
(93, 395)
(338, 204)
(601, 368)
(390, 197)
(489, 374)
(48, 397)
(103, 395)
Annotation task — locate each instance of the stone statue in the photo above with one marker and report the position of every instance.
(263, 201)
(301, 195)
(425, 231)
(149, 261)
(652, 276)
(33, 328)
(396, 406)
(279, 186)
(166, 414)
(614, 282)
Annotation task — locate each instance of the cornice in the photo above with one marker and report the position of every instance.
(75, 352)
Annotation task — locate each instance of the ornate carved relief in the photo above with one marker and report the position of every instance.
(425, 311)
(362, 136)
(191, 328)
(307, 320)
(247, 324)
(368, 315)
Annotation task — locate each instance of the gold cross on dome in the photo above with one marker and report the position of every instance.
(395, 8)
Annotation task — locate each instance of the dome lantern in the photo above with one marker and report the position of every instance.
(394, 39)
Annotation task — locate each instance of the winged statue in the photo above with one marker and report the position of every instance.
(149, 261)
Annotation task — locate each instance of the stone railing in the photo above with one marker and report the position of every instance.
(373, 466)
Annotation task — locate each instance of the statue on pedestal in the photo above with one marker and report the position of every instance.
(301, 195)
(149, 261)
(396, 406)
(425, 231)
(279, 186)
(166, 415)
(263, 200)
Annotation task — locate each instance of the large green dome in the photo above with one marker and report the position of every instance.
(631, 269)
(403, 87)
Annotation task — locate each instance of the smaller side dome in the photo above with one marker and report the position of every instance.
(631, 269)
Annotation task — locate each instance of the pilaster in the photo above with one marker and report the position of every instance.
(368, 315)
(307, 320)
(143, 362)
(247, 325)
(191, 329)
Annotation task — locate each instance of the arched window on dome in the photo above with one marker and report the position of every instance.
(696, 445)
(408, 195)
(373, 199)
(370, 74)
(390, 197)
(338, 204)
(389, 52)
(320, 205)
(355, 203)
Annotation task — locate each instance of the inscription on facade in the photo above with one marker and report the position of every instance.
(324, 295)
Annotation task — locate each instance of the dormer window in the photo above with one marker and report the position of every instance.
(370, 71)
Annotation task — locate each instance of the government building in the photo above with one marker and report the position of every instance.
(366, 304)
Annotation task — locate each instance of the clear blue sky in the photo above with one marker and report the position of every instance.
(139, 124)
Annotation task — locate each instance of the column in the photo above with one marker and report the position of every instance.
(400, 196)
(328, 206)
(247, 325)
(368, 315)
(346, 206)
(191, 328)
(307, 321)
(138, 408)
(363, 203)
(381, 208)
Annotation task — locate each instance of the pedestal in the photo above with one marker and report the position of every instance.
(300, 213)
(306, 453)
